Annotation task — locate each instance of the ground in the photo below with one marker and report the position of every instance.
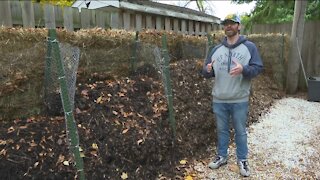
(123, 127)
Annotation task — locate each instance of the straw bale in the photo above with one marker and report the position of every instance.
(273, 49)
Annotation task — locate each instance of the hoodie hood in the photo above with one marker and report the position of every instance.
(240, 40)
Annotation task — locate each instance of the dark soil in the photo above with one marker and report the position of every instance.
(123, 127)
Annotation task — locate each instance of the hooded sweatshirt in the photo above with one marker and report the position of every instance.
(228, 89)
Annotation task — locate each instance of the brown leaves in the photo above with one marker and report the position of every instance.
(10, 129)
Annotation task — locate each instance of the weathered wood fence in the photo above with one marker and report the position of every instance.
(311, 43)
(30, 15)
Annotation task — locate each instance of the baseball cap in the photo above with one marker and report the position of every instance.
(231, 17)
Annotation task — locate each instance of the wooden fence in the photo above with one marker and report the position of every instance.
(310, 45)
(30, 15)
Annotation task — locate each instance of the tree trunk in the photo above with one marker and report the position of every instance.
(296, 46)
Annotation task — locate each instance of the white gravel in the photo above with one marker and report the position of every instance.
(285, 144)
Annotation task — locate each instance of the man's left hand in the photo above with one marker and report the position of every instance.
(237, 70)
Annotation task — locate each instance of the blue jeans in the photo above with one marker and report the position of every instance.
(238, 114)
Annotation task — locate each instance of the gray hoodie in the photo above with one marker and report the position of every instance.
(227, 89)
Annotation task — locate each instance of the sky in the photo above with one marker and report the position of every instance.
(220, 8)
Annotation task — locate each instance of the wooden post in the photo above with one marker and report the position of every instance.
(296, 45)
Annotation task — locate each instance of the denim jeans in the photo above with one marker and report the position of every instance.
(238, 114)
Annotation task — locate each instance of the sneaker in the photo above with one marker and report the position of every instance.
(244, 168)
(217, 162)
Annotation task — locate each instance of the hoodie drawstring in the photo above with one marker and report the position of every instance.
(229, 60)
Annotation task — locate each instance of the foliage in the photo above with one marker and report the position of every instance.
(56, 2)
(281, 11)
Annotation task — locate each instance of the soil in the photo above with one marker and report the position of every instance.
(123, 127)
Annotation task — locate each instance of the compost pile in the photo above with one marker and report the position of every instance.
(123, 127)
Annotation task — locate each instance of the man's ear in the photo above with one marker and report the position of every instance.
(239, 27)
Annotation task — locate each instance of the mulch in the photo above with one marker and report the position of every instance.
(123, 127)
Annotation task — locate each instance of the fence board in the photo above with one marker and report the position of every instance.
(16, 13)
(27, 14)
(197, 29)
(184, 26)
(176, 25)
(39, 15)
(5, 14)
(126, 20)
(76, 18)
(149, 22)
(87, 18)
(58, 13)
(68, 18)
(114, 20)
(191, 29)
(49, 17)
(138, 22)
(167, 24)
(158, 23)
(101, 19)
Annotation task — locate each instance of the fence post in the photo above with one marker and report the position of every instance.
(168, 89)
(5, 14)
(68, 111)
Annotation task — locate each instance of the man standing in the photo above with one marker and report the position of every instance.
(233, 63)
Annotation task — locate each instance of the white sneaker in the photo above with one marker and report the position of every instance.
(244, 168)
(217, 162)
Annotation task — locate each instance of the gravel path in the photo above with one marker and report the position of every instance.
(283, 145)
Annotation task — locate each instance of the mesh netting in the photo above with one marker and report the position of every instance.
(70, 58)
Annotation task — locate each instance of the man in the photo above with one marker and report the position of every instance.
(233, 63)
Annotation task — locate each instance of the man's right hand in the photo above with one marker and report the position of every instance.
(209, 66)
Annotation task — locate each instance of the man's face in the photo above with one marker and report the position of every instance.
(231, 28)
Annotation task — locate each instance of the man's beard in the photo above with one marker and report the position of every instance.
(230, 33)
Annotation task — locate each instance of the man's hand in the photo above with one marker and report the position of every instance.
(209, 66)
(237, 70)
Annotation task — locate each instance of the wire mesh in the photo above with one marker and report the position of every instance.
(70, 57)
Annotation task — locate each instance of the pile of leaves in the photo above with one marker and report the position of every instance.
(123, 127)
